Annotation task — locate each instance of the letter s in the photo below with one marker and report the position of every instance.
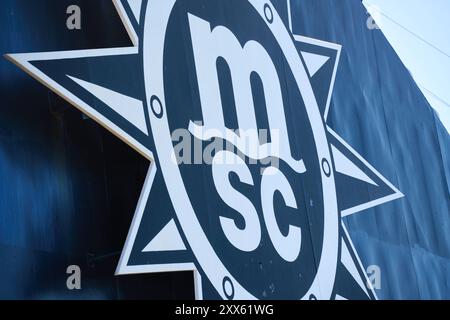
(246, 239)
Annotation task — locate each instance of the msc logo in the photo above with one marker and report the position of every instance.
(253, 220)
(210, 45)
(262, 219)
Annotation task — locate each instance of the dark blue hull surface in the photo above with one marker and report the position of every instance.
(69, 188)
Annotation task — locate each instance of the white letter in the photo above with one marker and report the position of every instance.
(247, 239)
(287, 247)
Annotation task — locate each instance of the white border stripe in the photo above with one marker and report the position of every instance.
(127, 23)
(328, 45)
(23, 61)
(396, 195)
(352, 247)
(289, 15)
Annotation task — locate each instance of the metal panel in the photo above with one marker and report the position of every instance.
(68, 188)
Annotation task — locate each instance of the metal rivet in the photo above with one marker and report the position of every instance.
(228, 288)
(156, 106)
(326, 167)
(268, 13)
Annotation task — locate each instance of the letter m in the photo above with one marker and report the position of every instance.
(210, 45)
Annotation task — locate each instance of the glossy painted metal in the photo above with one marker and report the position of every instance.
(68, 188)
(378, 109)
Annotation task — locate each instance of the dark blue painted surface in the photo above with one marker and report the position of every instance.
(68, 189)
(380, 111)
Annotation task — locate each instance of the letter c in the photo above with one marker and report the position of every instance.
(288, 247)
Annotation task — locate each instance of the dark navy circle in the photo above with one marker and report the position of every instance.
(156, 106)
(268, 13)
(262, 272)
(326, 167)
(228, 288)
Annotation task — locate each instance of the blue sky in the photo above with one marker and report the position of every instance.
(429, 64)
